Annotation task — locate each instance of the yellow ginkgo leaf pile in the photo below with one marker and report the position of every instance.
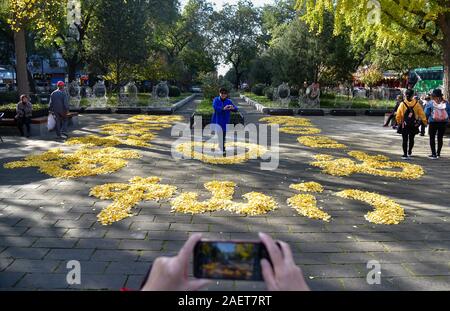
(323, 142)
(83, 162)
(195, 150)
(292, 125)
(386, 211)
(306, 204)
(126, 196)
(300, 130)
(308, 187)
(287, 121)
(155, 119)
(222, 199)
(372, 165)
(137, 133)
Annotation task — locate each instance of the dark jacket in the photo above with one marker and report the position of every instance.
(24, 110)
(59, 102)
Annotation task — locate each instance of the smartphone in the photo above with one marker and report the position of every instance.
(229, 260)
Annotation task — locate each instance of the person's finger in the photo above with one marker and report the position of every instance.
(194, 285)
(273, 250)
(268, 275)
(188, 247)
(287, 252)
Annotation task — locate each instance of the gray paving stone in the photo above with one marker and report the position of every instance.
(45, 232)
(422, 283)
(331, 271)
(134, 282)
(149, 226)
(115, 255)
(24, 253)
(123, 234)
(46, 281)
(189, 227)
(141, 245)
(30, 266)
(429, 269)
(9, 279)
(98, 243)
(70, 254)
(55, 242)
(136, 268)
(5, 262)
(81, 224)
(85, 233)
(17, 241)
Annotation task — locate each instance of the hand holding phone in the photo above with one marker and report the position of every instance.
(171, 273)
(229, 260)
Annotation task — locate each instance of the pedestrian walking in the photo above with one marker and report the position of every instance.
(437, 112)
(59, 106)
(409, 116)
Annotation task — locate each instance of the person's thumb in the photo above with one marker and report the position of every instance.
(194, 285)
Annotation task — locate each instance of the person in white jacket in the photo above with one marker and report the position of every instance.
(437, 112)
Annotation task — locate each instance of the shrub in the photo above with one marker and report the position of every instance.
(174, 91)
(258, 89)
(9, 97)
(268, 92)
(294, 92)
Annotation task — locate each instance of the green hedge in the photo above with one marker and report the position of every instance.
(258, 89)
(174, 91)
(9, 97)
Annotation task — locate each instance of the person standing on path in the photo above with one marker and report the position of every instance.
(437, 112)
(223, 106)
(408, 118)
(59, 106)
(24, 111)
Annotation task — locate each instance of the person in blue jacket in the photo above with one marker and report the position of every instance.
(437, 112)
(223, 106)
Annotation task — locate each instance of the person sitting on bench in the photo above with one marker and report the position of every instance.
(24, 111)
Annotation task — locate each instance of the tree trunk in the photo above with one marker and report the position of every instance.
(445, 27)
(71, 68)
(238, 78)
(447, 74)
(21, 62)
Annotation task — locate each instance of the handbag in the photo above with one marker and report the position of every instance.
(51, 122)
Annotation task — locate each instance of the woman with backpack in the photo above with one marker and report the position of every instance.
(437, 112)
(409, 116)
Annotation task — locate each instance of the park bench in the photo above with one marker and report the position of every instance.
(39, 125)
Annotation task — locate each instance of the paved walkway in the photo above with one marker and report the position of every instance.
(45, 222)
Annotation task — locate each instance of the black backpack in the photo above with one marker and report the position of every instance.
(409, 118)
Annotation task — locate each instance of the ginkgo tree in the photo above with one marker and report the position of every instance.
(389, 24)
(24, 15)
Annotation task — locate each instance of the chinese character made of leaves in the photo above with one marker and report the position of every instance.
(222, 199)
(386, 211)
(81, 163)
(372, 165)
(126, 196)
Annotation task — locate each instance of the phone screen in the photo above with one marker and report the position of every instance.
(229, 260)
